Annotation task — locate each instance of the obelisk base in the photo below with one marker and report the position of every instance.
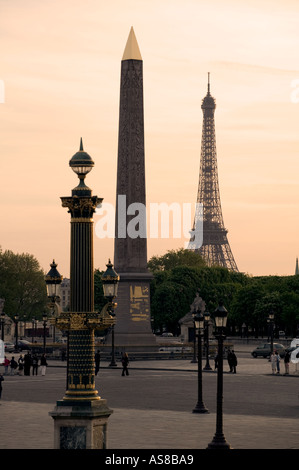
(132, 330)
(81, 426)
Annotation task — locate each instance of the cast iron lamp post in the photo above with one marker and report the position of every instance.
(33, 328)
(80, 418)
(45, 319)
(110, 280)
(206, 324)
(219, 441)
(16, 331)
(199, 324)
(194, 360)
(2, 325)
(271, 323)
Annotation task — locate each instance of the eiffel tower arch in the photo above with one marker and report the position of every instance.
(215, 248)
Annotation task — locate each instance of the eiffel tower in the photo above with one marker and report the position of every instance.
(215, 248)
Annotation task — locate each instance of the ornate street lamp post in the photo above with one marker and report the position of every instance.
(16, 331)
(199, 324)
(219, 441)
(33, 329)
(53, 281)
(2, 325)
(80, 418)
(271, 323)
(110, 280)
(207, 345)
(45, 318)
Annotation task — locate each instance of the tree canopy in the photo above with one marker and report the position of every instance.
(22, 285)
(178, 275)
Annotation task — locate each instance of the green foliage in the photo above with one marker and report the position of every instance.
(178, 275)
(174, 258)
(22, 285)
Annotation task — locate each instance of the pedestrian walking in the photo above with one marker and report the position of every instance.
(287, 362)
(97, 359)
(43, 364)
(1, 380)
(229, 360)
(216, 361)
(273, 361)
(34, 364)
(125, 363)
(277, 362)
(13, 366)
(27, 363)
(6, 365)
(20, 365)
(234, 362)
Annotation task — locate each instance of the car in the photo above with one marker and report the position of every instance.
(8, 347)
(24, 345)
(264, 350)
(167, 334)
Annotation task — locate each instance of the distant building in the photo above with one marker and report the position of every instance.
(65, 294)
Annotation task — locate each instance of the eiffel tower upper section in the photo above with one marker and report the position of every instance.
(215, 248)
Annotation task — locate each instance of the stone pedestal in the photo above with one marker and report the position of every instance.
(133, 325)
(81, 426)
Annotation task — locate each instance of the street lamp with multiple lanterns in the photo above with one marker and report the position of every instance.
(219, 441)
(110, 280)
(207, 345)
(198, 319)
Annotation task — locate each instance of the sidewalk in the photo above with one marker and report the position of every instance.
(29, 426)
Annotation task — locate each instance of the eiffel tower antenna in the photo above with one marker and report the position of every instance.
(215, 248)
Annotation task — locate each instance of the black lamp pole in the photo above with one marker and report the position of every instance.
(198, 324)
(193, 361)
(206, 321)
(16, 331)
(219, 441)
(271, 320)
(45, 318)
(110, 280)
(2, 325)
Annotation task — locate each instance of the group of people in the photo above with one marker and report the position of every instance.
(275, 362)
(124, 362)
(24, 364)
(231, 359)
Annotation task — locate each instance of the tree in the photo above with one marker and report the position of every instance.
(174, 258)
(22, 285)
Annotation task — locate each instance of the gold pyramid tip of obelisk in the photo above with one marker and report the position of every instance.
(132, 49)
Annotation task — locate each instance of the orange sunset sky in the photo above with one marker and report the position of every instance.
(60, 67)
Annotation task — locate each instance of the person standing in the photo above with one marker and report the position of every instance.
(125, 363)
(6, 365)
(27, 363)
(277, 362)
(13, 365)
(21, 365)
(287, 362)
(97, 359)
(234, 362)
(1, 380)
(43, 364)
(229, 360)
(34, 364)
(273, 361)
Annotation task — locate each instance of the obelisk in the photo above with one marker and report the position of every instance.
(133, 325)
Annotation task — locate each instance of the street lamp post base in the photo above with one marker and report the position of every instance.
(207, 368)
(219, 442)
(200, 408)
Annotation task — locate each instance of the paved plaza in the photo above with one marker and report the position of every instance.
(26, 424)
